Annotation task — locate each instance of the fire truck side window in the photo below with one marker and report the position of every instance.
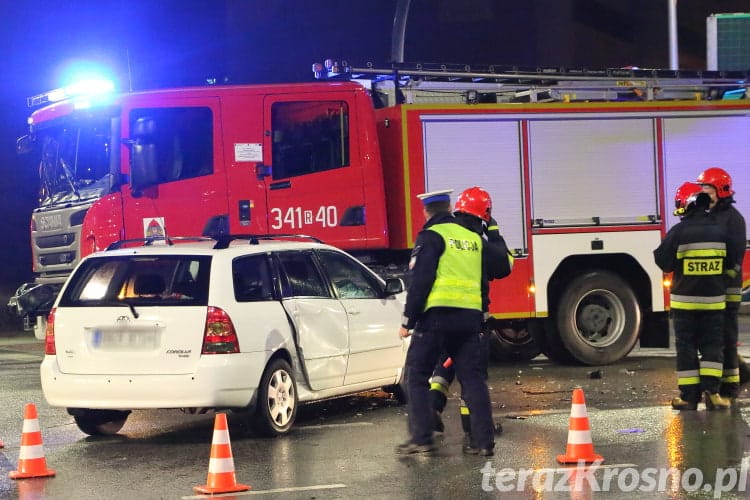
(179, 140)
(309, 137)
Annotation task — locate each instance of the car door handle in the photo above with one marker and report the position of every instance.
(352, 312)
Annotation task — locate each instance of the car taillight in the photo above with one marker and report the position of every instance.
(49, 334)
(220, 336)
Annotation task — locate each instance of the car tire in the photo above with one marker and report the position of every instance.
(598, 319)
(99, 422)
(276, 407)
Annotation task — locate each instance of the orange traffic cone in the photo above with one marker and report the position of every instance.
(31, 461)
(580, 447)
(221, 464)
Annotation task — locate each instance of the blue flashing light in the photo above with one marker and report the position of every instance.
(90, 87)
(734, 94)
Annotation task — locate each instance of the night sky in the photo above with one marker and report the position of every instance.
(149, 44)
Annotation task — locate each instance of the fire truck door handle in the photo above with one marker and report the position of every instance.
(281, 185)
(262, 171)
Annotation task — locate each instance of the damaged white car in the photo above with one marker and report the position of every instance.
(254, 324)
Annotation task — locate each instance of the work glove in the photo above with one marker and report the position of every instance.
(492, 230)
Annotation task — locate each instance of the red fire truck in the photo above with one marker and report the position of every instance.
(581, 166)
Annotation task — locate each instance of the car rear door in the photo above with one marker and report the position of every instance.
(134, 315)
(319, 320)
(252, 303)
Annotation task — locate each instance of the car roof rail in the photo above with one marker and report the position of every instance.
(223, 241)
(149, 241)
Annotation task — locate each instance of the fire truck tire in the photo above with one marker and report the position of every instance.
(511, 341)
(598, 318)
(547, 337)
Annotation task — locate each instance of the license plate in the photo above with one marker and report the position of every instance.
(124, 340)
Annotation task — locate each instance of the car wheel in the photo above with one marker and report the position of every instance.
(598, 318)
(511, 341)
(277, 400)
(99, 422)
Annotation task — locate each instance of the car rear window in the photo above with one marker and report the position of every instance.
(251, 277)
(178, 280)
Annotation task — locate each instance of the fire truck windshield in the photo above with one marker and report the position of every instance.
(76, 160)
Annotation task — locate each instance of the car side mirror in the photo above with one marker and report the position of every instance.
(394, 286)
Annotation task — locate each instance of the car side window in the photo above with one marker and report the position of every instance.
(251, 277)
(302, 277)
(350, 279)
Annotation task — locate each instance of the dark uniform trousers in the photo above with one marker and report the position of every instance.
(703, 330)
(730, 380)
(728, 217)
(442, 378)
(465, 349)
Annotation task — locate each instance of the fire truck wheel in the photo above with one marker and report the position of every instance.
(598, 318)
(547, 337)
(511, 341)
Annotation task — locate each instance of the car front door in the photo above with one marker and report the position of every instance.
(375, 349)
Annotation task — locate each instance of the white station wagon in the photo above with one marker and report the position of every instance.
(254, 324)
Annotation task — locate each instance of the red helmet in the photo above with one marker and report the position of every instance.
(719, 179)
(475, 201)
(685, 196)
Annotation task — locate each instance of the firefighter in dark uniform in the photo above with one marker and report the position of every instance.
(473, 210)
(717, 184)
(696, 251)
(443, 313)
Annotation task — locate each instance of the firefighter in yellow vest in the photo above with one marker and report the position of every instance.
(697, 252)
(443, 313)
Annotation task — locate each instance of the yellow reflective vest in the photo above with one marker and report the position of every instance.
(459, 272)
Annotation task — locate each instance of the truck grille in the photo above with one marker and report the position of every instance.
(57, 240)
(52, 259)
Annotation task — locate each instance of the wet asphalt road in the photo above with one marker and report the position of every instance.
(345, 448)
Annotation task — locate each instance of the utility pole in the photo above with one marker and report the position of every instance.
(399, 31)
(674, 60)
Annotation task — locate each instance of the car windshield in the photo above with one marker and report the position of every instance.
(76, 159)
(134, 280)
